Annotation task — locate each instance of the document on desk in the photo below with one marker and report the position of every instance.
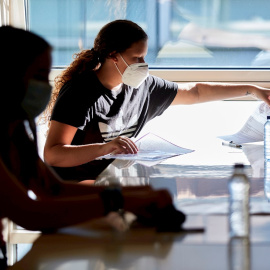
(253, 129)
(152, 148)
(254, 153)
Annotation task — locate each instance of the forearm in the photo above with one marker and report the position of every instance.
(72, 155)
(55, 213)
(192, 93)
(46, 211)
(65, 155)
(52, 212)
(214, 91)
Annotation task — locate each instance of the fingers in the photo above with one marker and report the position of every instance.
(265, 97)
(154, 208)
(262, 94)
(124, 145)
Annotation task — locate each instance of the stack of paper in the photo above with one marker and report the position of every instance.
(152, 149)
(253, 129)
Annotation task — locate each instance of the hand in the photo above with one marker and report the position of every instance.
(155, 208)
(262, 93)
(120, 145)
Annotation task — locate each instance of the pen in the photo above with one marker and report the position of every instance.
(232, 144)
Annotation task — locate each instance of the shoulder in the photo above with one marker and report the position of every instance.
(75, 99)
(81, 81)
(157, 83)
(79, 86)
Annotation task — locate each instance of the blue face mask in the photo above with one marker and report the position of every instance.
(36, 98)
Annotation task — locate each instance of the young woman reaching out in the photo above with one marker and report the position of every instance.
(106, 96)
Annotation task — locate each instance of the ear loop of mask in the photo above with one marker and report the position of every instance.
(124, 62)
(118, 69)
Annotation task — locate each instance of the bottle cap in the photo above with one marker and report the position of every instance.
(268, 116)
(239, 165)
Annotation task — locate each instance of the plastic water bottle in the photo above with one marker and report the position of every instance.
(239, 253)
(238, 186)
(267, 179)
(267, 139)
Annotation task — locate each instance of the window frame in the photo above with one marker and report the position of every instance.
(259, 76)
(254, 76)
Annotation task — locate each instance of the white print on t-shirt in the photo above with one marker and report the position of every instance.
(112, 130)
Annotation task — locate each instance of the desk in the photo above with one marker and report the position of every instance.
(198, 184)
(197, 181)
(76, 248)
(204, 200)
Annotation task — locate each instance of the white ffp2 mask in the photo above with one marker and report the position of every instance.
(135, 74)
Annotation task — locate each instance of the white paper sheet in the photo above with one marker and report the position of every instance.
(152, 149)
(254, 154)
(253, 129)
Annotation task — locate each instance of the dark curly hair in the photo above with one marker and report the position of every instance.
(116, 36)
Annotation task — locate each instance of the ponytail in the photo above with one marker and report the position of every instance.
(84, 60)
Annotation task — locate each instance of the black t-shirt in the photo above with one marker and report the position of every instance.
(101, 114)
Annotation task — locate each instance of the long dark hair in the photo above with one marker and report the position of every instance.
(116, 36)
(19, 49)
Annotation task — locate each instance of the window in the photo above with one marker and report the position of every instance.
(183, 34)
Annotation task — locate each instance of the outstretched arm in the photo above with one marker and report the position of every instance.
(52, 212)
(191, 93)
(46, 212)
